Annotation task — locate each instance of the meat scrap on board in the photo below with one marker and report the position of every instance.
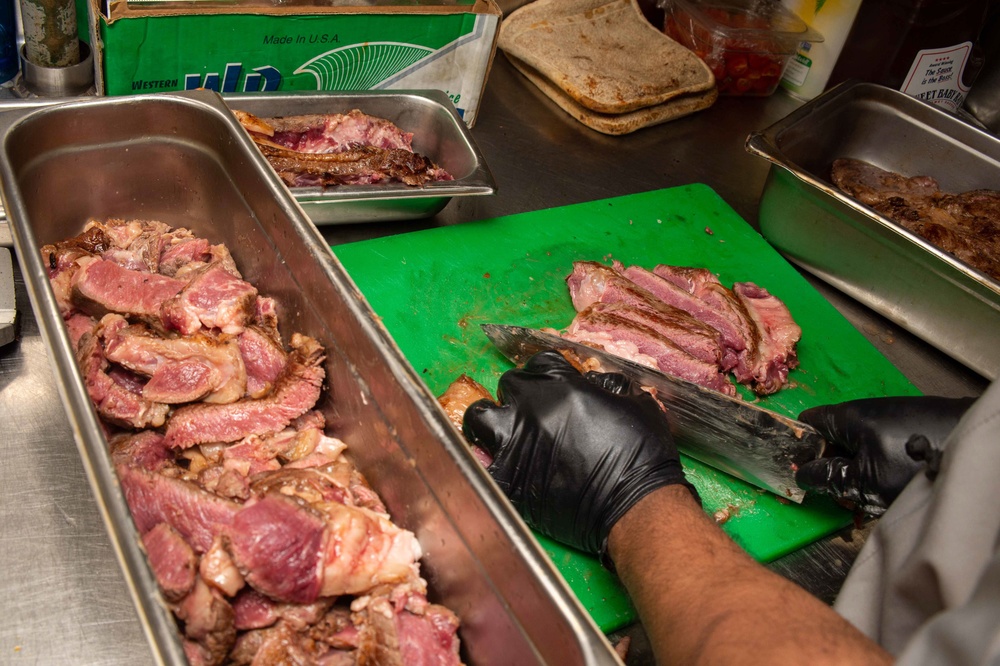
(269, 546)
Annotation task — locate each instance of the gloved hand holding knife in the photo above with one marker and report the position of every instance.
(574, 452)
(590, 461)
(879, 445)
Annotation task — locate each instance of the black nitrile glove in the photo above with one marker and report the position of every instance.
(884, 442)
(572, 452)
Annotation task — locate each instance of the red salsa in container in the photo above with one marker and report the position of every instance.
(747, 43)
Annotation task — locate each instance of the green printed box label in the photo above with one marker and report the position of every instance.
(252, 53)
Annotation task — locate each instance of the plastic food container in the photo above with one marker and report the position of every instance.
(747, 43)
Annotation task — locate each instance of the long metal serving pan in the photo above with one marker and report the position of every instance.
(183, 159)
(871, 258)
(438, 132)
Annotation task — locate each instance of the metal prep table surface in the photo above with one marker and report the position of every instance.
(62, 596)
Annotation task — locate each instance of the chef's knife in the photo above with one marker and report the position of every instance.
(751, 443)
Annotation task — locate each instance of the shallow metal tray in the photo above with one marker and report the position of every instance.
(895, 272)
(182, 158)
(438, 133)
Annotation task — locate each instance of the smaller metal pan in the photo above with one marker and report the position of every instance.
(869, 257)
(439, 133)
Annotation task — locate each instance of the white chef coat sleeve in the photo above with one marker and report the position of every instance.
(926, 585)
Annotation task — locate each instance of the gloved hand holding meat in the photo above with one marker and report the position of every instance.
(574, 452)
(882, 443)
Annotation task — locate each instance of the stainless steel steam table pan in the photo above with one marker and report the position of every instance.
(183, 159)
(438, 133)
(895, 272)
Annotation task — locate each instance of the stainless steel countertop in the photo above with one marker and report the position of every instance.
(62, 596)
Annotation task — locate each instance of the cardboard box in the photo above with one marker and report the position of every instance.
(145, 47)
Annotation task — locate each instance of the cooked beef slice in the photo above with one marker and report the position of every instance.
(965, 225)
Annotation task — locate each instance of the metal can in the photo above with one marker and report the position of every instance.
(8, 41)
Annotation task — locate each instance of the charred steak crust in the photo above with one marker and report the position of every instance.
(965, 225)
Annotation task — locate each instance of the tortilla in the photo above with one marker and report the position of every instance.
(603, 54)
(620, 123)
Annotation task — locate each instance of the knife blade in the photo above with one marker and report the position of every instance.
(754, 444)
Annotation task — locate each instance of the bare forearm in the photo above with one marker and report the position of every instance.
(701, 598)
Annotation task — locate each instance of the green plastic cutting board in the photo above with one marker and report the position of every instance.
(433, 288)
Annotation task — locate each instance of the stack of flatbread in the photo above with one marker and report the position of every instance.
(604, 64)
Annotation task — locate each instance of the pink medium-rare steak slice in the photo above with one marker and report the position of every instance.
(706, 288)
(278, 545)
(592, 282)
(180, 369)
(213, 299)
(115, 399)
(145, 449)
(264, 359)
(689, 278)
(295, 394)
(772, 334)
(699, 340)
(183, 253)
(618, 334)
(256, 611)
(337, 132)
(79, 324)
(153, 498)
(174, 563)
(264, 355)
(780, 334)
(339, 149)
(295, 551)
(754, 334)
(100, 286)
(183, 257)
(734, 338)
